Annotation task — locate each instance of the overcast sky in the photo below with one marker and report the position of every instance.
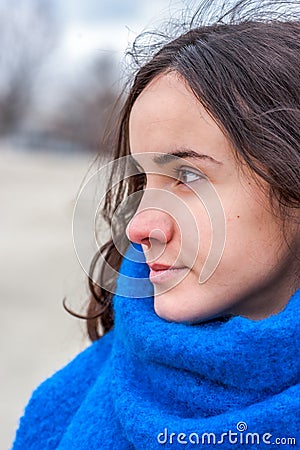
(87, 29)
(108, 25)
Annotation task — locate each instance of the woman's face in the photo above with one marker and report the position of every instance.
(209, 236)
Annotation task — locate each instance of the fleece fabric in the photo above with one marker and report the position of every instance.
(152, 384)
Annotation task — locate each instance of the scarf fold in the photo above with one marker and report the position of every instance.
(232, 384)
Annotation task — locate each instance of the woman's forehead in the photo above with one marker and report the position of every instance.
(167, 117)
(165, 90)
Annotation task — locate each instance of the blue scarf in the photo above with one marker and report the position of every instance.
(153, 384)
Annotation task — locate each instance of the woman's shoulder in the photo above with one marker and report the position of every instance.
(56, 400)
(81, 372)
(85, 365)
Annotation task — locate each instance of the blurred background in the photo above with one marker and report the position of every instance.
(61, 68)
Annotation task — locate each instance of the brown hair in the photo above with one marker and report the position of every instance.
(244, 68)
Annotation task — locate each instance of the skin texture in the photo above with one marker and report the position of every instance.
(255, 276)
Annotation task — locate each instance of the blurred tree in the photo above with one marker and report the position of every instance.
(27, 34)
(87, 105)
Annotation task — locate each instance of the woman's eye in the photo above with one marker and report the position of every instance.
(187, 176)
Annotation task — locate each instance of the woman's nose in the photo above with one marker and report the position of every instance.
(148, 225)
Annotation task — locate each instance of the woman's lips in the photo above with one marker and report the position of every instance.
(160, 273)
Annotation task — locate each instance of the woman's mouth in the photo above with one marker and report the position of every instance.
(160, 273)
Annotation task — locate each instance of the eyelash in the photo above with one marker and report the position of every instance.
(184, 170)
(177, 175)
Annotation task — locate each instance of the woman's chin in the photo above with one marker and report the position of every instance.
(166, 307)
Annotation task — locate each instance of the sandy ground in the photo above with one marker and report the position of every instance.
(38, 268)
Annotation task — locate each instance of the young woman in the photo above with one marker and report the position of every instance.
(201, 330)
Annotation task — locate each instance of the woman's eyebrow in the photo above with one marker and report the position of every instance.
(166, 158)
